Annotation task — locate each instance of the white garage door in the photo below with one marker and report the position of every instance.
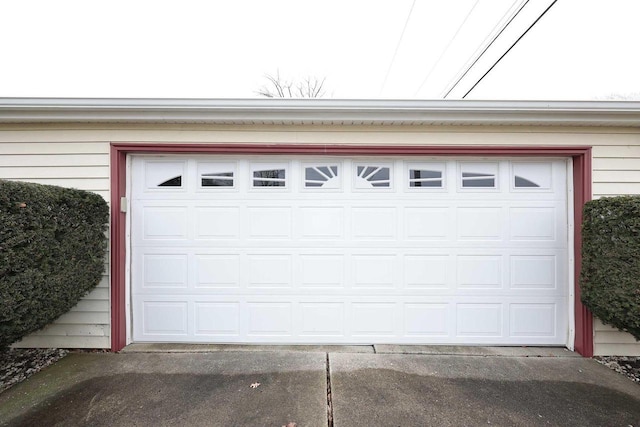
(337, 250)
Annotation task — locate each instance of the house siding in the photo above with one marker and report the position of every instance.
(78, 156)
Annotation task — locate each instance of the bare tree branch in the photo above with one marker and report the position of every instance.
(310, 87)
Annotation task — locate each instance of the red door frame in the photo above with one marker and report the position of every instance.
(119, 151)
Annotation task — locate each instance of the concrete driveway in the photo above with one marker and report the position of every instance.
(388, 388)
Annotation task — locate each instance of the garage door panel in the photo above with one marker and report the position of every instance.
(538, 225)
(279, 319)
(535, 272)
(165, 222)
(161, 271)
(270, 319)
(533, 320)
(479, 320)
(164, 318)
(374, 271)
(319, 293)
(479, 271)
(427, 320)
(321, 319)
(268, 222)
(217, 222)
(269, 270)
(533, 223)
(422, 271)
(428, 223)
(377, 319)
(480, 223)
(216, 319)
(217, 271)
(320, 222)
(374, 223)
(469, 271)
(362, 256)
(321, 271)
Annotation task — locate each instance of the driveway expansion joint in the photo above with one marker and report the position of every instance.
(329, 397)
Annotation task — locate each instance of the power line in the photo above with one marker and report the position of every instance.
(435, 64)
(395, 52)
(511, 47)
(486, 48)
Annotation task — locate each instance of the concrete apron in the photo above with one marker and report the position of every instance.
(438, 390)
(185, 389)
(186, 385)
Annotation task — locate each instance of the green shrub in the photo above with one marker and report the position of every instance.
(52, 252)
(610, 277)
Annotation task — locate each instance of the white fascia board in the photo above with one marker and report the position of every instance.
(319, 111)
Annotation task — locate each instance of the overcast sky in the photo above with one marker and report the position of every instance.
(582, 49)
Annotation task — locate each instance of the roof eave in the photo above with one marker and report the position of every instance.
(319, 111)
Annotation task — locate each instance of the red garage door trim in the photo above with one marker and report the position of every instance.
(581, 184)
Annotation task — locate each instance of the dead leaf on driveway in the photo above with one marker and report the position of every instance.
(291, 424)
(255, 385)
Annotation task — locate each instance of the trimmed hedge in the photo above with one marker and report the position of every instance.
(610, 277)
(52, 252)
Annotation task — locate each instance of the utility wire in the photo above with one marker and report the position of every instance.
(485, 49)
(395, 52)
(512, 46)
(444, 51)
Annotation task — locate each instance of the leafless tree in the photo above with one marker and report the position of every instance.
(278, 87)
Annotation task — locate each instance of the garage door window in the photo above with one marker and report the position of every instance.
(215, 175)
(173, 182)
(163, 175)
(478, 175)
(325, 176)
(373, 176)
(426, 175)
(269, 176)
(219, 179)
(531, 175)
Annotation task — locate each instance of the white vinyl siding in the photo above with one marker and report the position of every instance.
(78, 156)
(610, 341)
(616, 170)
(79, 164)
